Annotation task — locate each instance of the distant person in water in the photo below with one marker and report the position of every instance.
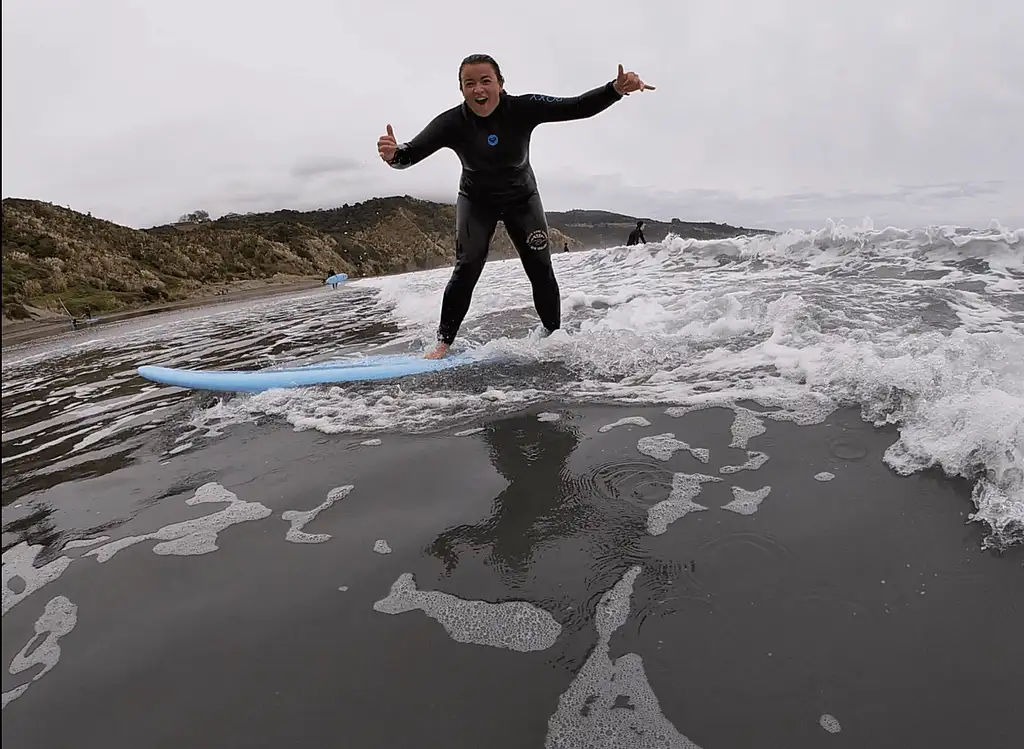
(490, 132)
(565, 247)
(637, 235)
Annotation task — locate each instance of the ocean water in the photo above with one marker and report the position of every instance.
(921, 328)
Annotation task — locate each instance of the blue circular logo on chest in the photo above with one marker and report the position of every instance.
(492, 140)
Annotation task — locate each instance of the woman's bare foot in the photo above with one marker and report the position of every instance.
(438, 353)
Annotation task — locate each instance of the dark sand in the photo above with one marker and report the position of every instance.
(750, 627)
(51, 324)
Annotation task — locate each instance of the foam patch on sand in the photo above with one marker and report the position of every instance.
(515, 625)
(300, 519)
(636, 421)
(663, 446)
(754, 461)
(685, 487)
(192, 537)
(745, 502)
(19, 562)
(610, 704)
(58, 619)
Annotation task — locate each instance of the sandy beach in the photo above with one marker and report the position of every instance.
(51, 323)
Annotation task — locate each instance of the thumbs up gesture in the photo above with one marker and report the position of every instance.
(387, 145)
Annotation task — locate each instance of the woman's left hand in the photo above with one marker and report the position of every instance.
(625, 83)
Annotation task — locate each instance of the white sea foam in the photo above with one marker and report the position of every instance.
(515, 625)
(300, 519)
(58, 619)
(19, 562)
(192, 537)
(746, 502)
(635, 421)
(922, 328)
(611, 703)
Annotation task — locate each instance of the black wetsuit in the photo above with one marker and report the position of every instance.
(498, 183)
(636, 237)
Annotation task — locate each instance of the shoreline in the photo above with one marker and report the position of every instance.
(24, 331)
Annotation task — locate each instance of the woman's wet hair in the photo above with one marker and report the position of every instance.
(474, 59)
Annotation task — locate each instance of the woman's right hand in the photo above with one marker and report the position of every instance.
(387, 145)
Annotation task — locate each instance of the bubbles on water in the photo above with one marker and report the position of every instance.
(636, 421)
(381, 546)
(371, 443)
(663, 446)
(829, 723)
(192, 537)
(515, 625)
(548, 417)
(57, 620)
(685, 487)
(824, 476)
(300, 520)
(19, 562)
(611, 703)
(746, 502)
(753, 462)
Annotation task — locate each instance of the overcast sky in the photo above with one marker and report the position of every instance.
(774, 114)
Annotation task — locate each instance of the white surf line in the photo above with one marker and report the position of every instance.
(663, 446)
(19, 561)
(468, 432)
(515, 625)
(57, 620)
(746, 503)
(371, 443)
(754, 461)
(636, 421)
(685, 487)
(611, 703)
(300, 519)
(192, 537)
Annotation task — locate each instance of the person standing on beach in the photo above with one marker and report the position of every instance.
(490, 132)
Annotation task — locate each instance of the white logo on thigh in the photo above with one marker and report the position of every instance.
(538, 240)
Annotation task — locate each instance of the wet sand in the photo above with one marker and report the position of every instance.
(22, 331)
(852, 612)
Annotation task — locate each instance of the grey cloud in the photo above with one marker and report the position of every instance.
(311, 168)
(792, 112)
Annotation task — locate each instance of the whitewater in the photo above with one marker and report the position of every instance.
(922, 329)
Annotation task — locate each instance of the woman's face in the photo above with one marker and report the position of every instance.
(480, 87)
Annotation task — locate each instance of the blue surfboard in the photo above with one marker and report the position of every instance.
(382, 367)
(337, 278)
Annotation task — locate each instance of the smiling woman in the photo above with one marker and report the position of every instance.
(490, 132)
